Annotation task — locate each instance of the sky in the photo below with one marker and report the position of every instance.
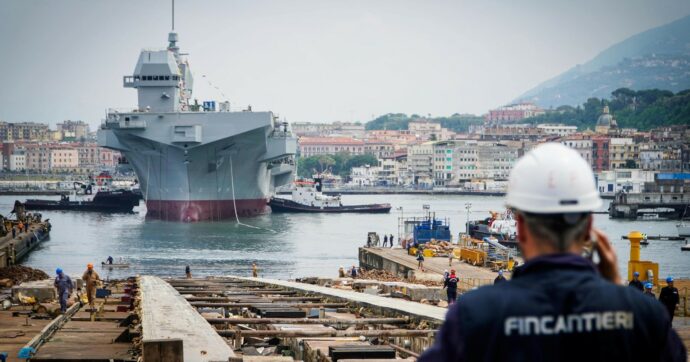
(307, 60)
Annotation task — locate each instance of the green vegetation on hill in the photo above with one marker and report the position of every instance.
(398, 121)
(338, 164)
(644, 109)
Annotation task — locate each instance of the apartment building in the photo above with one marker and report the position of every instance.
(314, 146)
(420, 163)
(623, 153)
(583, 146)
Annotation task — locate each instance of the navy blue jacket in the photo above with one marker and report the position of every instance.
(556, 308)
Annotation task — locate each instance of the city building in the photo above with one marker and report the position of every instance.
(513, 113)
(17, 161)
(73, 130)
(627, 180)
(583, 146)
(429, 131)
(600, 153)
(364, 175)
(342, 129)
(556, 129)
(24, 131)
(495, 160)
(314, 146)
(623, 153)
(420, 163)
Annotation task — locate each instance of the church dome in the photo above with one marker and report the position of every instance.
(606, 120)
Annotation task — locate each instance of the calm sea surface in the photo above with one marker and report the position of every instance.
(284, 245)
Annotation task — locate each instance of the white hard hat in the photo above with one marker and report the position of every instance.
(552, 179)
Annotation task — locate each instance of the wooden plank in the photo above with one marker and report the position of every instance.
(269, 305)
(363, 321)
(165, 314)
(329, 333)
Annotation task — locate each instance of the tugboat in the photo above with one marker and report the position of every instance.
(502, 227)
(104, 200)
(307, 197)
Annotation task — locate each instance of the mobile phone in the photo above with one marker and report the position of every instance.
(590, 248)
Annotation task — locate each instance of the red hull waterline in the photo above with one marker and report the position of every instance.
(204, 210)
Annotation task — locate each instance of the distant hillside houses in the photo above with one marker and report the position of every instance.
(622, 159)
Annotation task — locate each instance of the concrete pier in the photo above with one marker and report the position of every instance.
(167, 318)
(386, 305)
(13, 250)
(398, 262)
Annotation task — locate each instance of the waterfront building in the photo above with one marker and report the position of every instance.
(465, 160)
(420, 163)
(513, 113)
(495, 160)
(625, 180)
(509, 131)
(366, 175)
(443, 162)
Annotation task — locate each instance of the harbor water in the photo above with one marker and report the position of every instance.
(283, 245)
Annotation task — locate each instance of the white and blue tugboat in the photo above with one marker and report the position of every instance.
(307, 197)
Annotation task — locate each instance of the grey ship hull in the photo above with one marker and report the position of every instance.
(195, 166)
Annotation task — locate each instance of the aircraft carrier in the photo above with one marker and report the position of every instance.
(196, 162)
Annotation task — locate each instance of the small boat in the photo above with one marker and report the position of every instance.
(683, 229)
(503, 227)
(307, 197)
(114, 265)
(685, 247)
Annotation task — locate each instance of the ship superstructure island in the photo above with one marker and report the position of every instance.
(194, 162)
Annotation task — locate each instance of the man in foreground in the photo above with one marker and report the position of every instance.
(559, 305)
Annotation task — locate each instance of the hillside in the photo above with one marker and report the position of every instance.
(644, 109)
(656, 58)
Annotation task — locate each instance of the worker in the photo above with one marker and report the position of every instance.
(385, 240)
(559, 305)
(420, 259)
(188, 272)
(451, 285)
(341, 272)
(64, 287)
(255, 270)
(669, 297)
(91, 280)
(20, 226)
(636, 283)
(14, 232)
(390, 241)
(450, 258)
(500, 278)
(353, 272)
(648, 290)
(110, 260)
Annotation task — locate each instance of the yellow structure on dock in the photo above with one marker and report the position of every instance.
(644, 267)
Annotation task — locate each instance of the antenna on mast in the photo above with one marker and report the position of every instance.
(173, 15)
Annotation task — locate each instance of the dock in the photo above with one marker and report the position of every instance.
(14, 249)
(398, 262)
(231, 319)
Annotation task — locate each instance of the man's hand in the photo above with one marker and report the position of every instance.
(608, 262)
